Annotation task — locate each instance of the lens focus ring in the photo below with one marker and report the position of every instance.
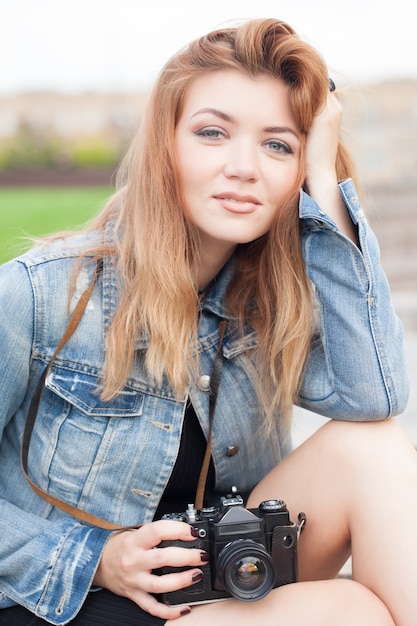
(246, 570)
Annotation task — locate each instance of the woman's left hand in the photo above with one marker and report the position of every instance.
(322, 144)
(321, 178)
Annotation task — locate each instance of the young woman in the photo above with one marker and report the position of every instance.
(236, 231)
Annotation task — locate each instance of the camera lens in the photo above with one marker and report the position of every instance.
(246, 570)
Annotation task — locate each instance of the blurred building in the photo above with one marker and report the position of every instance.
(70, 115)
(383, 126)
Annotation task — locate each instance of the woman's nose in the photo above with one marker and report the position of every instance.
(242, 162)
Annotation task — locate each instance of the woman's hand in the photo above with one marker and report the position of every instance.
(322, 144)
(321, 181)
(129, 558)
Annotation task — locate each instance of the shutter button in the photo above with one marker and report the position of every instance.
(204, 383)
(232, 450)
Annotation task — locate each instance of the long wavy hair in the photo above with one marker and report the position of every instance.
(156, 248)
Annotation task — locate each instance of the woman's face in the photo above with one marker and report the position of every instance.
(238, 153)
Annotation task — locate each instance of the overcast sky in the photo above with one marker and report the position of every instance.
(106, 45)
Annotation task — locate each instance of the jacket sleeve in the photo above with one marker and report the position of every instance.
(356, 370)
(45, 566)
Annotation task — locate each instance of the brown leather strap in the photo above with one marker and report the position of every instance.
(75, 511)
(214, 390)
(33, 411)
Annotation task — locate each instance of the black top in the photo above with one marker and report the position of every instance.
(182, 485)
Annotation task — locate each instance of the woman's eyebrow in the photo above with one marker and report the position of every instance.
(229, 118)
(281, 129)
(223, 116)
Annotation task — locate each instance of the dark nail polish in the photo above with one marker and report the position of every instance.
(205, 557)
(197, 576)
(194, 532)
(186, 611)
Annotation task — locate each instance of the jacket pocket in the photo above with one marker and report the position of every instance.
(76, 429)
(82, 390)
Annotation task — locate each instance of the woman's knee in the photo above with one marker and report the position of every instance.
(352, 604)
(335, 455)
(364, 442)
(339, 601)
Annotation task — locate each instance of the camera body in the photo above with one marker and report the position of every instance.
(251, 551)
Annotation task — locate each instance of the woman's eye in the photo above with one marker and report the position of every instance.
(210, 133)
(279, 146)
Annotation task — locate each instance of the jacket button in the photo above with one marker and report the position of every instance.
(232, 450)
(204, 382)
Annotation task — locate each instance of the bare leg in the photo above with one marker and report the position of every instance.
(357, 483)
(322, 603)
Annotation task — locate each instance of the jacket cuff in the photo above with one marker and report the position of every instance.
(73, 564)
(309, 209)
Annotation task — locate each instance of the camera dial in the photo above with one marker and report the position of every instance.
(208, 512)
(176, 517)
(272, 506)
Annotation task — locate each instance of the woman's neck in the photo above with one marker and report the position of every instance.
(210, 265)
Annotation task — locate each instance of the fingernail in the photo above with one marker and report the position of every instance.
(186, 611)
(205, 557)
(194, 532)
(197, 576)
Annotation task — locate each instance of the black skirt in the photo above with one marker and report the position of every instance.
(101, 608)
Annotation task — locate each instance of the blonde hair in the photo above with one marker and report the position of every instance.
(157, 250)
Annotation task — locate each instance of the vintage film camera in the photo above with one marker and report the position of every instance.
(251, 550)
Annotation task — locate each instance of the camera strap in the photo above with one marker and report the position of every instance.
(214, 391)
(73, 510)
(74, 320)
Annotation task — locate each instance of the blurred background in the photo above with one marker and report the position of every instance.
(74, 77)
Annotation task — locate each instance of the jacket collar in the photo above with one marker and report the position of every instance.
(215, 299)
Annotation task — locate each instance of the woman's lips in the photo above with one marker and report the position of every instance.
(237, 204)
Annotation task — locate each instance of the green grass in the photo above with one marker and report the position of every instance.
(35, 211)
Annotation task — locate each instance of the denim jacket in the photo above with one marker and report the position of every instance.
(114, 458)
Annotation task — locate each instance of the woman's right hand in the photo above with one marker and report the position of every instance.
(129, 558)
